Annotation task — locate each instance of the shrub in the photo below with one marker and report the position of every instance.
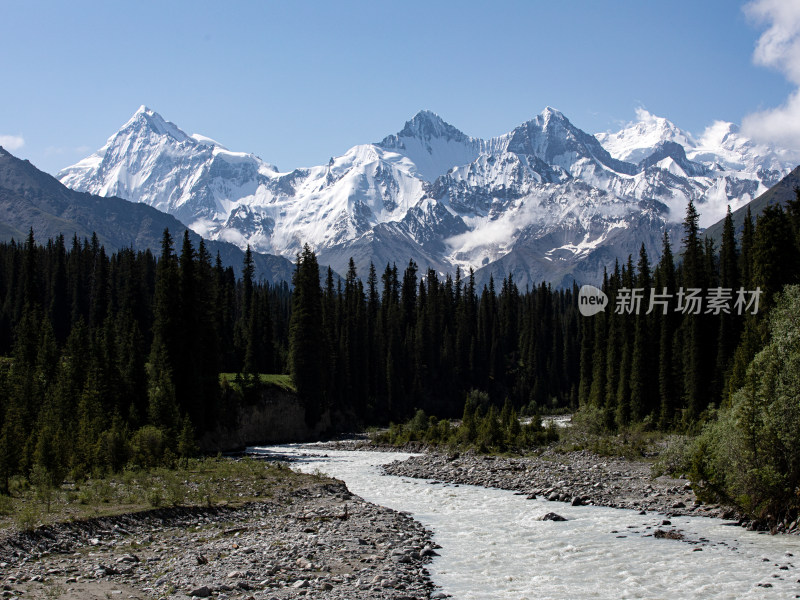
(6, 505)
(147, 447)
(751, 454)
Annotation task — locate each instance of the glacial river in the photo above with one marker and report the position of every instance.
(494, 546)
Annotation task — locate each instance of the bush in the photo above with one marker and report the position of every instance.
(751, 454)
(147, 447)
(6, 505)
(27, 518)
(481, 428)
(112, 448)
(675, 457)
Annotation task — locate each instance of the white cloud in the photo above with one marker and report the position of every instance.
(780, 125)
(61, 150)
(644, 116)
(777, 48)
(12, 142)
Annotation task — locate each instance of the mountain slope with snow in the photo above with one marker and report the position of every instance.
(545, 201)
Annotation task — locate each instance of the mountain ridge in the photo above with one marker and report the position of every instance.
(30, 198)
(437, 196)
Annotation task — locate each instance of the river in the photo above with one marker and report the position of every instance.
(494, 545)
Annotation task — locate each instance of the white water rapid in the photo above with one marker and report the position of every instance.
(493, 544)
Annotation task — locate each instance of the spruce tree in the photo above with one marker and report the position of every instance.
(641, 376)
(693, 278)
(746, 256)
(668, 381)
(729, 324)
(307, 358)
(776, 259)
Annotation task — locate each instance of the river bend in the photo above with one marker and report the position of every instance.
(494, 545)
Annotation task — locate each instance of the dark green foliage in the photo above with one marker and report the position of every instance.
(481, 428)
(97, 352)
(307, 359)
(120, 355)
(750, 455)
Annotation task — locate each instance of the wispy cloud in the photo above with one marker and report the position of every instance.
(777, 48)
(61, 150)
(12, 142)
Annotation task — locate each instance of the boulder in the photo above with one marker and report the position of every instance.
(201, 592)
(551, 516)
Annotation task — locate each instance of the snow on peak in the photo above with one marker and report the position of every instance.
(146, 120)
(431, 191)
(433, 145)
(552, 138)
(425, 126)
(637, 140)
(723, 143)
(552, 113)
(206, 141)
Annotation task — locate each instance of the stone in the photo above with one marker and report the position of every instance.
(128, 558)
(201, 592)
(668, 535)
(551, 516)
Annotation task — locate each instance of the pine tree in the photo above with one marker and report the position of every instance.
(307, 358)
(166, 307)
(667, 379)
(597, 392)
(746, 256)
(729, 329)
(693, 278)
(641, 376)
(776, 258)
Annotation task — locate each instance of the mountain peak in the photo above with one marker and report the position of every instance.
(551, 137)
(549, 112)
(427, 125)
(146, 119)
(433, 145)
(426, 114)
(637, 140)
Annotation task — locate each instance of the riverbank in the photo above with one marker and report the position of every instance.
(313, 539)
(579, 478)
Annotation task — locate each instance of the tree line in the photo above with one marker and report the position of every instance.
(407, 342)
(112, 360)
(116, 359)
(666, 366)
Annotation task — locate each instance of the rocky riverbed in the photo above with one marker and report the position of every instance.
(319, 541)
(580, 478)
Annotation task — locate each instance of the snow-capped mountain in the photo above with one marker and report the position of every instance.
(635, 142)
(433, 146)
(721, 147)
(546, 201)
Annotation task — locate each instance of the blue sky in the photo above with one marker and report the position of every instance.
(298, 82)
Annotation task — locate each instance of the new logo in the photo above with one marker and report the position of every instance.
(591, 300)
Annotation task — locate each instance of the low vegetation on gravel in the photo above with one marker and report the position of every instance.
(194, 482)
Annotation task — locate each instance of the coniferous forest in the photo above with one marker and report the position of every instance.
(110, 360)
